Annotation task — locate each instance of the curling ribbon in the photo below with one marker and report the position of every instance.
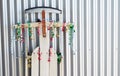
(22, 38)
(51, 33)
(49, 27)
(63, 27)
(29, 30)
(39, 54)
(50, 54)
(49, 59)
(38, 30)
(59, 57)
(18, 31)
(71, 31)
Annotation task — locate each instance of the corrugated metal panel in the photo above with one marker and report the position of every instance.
(96, 44)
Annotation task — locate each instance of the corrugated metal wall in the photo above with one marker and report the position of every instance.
(96, 50)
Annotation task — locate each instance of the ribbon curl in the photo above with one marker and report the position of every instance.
(71, 32)
(30, 30)
(18, 31)
(59, 57)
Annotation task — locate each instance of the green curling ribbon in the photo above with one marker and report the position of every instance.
(18, 31)
(29, 29)
(71, 31)
(52, 33)
(59, 57)
(54, 25)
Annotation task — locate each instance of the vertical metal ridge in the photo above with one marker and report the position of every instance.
(71, 47)
(29, 42)
(64, 10)
(17, 60)
(92, 40)
(43, 2)
(2, 73)
(118, 37)
(57, 6)
(71, 11)
(105, 38)
(22, 11)
(9, 36)
(36, 3)
(57, 39)
(36, 17)
(23, 44)
(16, 44)
(58, 50)
(99, 73)
(5, 39)
(50, 3)
(85, 40)
(29, 15)
(36, 14)
(64, 39)
(29, 5)
(15, 10)
(112, 37)
(3, 56)
(78, 37)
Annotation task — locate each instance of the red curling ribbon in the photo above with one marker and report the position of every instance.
(49, 59)
(39, 58)
(39, 54)
(51, 39)
(49, 27)
(63, 27)
(38, 30)
(22, 26)
(51, 46)
(50, 52)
